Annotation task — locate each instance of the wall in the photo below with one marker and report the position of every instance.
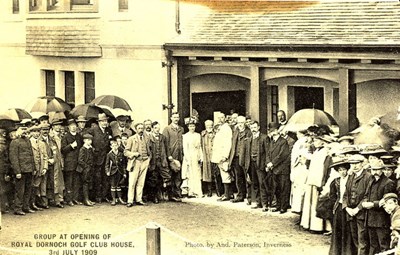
(376, 98)
(130, 65)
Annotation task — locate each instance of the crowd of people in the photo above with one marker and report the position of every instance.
(338, 188)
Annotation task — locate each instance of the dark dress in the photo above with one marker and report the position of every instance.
(340, 239)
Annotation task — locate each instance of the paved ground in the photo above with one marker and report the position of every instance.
(191, 228)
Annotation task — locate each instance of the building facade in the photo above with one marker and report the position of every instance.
(80, 49)
(250, 57)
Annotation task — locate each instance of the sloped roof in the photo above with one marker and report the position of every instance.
(63, 41)
(291, 23)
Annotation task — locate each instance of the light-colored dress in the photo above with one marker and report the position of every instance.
(191, 168)
(299, 173)
(320, 160)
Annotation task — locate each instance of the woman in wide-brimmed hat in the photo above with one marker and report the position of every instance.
(193, 156)
(341, 239)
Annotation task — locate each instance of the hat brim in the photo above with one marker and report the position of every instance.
(342, 163)
(376, 152)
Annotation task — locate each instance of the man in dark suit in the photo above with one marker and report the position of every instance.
(101, 144)
(256, 149)
(377, 220)
(120, 126)
(354, 194)
(158, 173)
(71, 143)
(174, 137)
(23, 164)
(277, 162)
(237, 157)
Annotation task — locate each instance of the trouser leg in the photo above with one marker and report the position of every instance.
(240, 179)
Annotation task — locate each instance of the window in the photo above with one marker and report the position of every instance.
(89, 86)
(274, 102)
(81, 5)
(81, 2)
(33, 5)
(123, 5)
(69, 81)
(15, 6)
(50, 82)
(53, 5)
(41, 6)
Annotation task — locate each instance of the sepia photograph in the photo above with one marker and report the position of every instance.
(223, 127)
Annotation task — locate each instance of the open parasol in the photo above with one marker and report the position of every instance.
(48, 104)
(305, 118)
(112, 102)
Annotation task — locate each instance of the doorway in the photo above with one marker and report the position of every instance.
(308, 97)
(209, 102)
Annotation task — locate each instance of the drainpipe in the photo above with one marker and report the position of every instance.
(177, 17)
(169, 65)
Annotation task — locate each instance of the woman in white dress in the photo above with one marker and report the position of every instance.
(192, 158)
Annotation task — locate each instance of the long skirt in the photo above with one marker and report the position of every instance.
(298, 176)
(309, 219)
(340, 239)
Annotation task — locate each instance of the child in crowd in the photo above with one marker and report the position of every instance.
(116, 171)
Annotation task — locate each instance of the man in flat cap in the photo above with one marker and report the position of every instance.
(52, 185)
(356, 190)
(85, 169)
(276, 161)
(377, 221)
(120, 126)
(71, 143)
(23, 163)
(390, 203)
(81, 122)
(41, 164)
(102, 134)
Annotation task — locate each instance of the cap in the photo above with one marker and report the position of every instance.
(356, 158)
(56, 121)
(114, 138)
(121, 117)
(34, 128)
(273, 126)
(87, 136)
(81, 119)
(23, 123)
(71, 121)
(388, 196)
(44, 117)
(102, 116)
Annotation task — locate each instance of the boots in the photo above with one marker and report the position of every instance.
(120, 200)
(227, 195)
(114, 200)
(86, 200)
(209, 189)
(34, 197)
